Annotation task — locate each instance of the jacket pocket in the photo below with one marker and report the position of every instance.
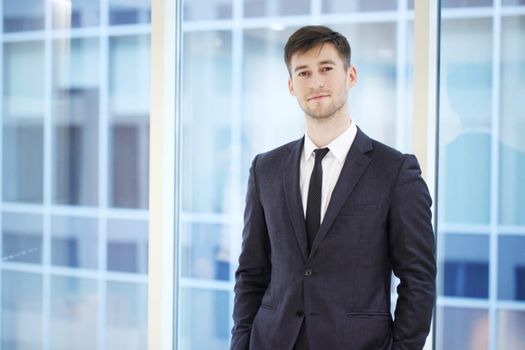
(368, 331)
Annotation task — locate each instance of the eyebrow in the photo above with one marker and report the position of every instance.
(332, 62)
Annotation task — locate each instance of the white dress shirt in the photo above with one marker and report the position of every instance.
(332, 165)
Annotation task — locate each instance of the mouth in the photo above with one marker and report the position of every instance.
(317, 97)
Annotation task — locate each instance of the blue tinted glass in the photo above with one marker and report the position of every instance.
(207, 9)
(466, 266)
(22, 238)
(511, 268)
(336, 6)
(127, 246)
(23, 15)
(512, 126)
(129, 101)
(75, 121)
(462, 328)
(206, 315)
(74, 242)
(259, 8)
(21, 310)
(129, 11)
(126, 309)
(206, 122)
(73, 313)
(511, 324)
(75, 14)
(22, 122)
(205, 251)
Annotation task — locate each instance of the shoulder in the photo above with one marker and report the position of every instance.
(275, 156)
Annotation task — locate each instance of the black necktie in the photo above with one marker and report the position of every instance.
(313, 204)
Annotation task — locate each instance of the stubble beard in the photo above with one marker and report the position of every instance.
(331, 112)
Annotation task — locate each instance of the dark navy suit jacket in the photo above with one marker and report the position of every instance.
(378, 221)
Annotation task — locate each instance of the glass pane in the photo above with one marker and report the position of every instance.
(127, 248)
(373, 100)
(511, 268)
(73, 314)
(207, 9)
(259, 8)
(21, 310)
(512, 125)
(510, 330)
(22, 238)
(23, 15)
(513, 2)
(75, 14)
(272, 115)
(23, 127)
(74, 242)
(337, 6)
(466, 266)
(465, 121)
(206, 121)
(129, 11)
(129, 82)
(75, 121)
(206, 315)
(466, 3)
(206, 251)
(461, 328)
(126, 309)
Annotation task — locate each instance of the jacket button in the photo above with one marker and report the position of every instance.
(300, 313)
(308, 272)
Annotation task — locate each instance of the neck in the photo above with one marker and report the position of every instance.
(324, 131)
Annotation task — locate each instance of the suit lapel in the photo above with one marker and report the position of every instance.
(293, 194)
(355, 164)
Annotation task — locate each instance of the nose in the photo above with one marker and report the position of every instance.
(317, 81)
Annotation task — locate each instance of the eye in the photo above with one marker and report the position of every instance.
(326, 69)
(302, 74)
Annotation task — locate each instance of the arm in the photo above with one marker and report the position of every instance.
(412, 250)
(253, 275)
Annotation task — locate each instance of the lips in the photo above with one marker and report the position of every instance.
(317, 97)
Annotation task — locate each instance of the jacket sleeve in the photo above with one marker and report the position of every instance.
(253, 274)
(412, 250)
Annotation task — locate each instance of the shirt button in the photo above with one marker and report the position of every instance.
(300, 313)
(308, 272)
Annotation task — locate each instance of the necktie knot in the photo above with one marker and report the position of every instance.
(320, 153)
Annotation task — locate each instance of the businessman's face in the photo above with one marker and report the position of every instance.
(320, 81)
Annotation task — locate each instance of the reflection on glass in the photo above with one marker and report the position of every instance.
(512, 123)
(126, 310)
(462, 328)
(270, 8)
(74, 242)
(373, 99)
(129, 11)
(206, 251)
(207, 9)
(129, 82)
(206, 122)
(23, 15)
(466, 266)
(73, 313)
(75, 14)
(206, 315)
(23, 130)
(127, 247)
(21, 238)
(21, 310)
(336, 6)
(75, 121)
(465, 120)
(511, 268)
(510, 329)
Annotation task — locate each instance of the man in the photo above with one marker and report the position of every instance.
(327, 219)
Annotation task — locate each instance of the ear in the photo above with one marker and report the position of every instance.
(351, 75)
(290, 87)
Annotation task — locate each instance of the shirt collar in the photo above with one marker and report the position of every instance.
(339, 146)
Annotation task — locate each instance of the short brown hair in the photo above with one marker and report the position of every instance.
(308, 37)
